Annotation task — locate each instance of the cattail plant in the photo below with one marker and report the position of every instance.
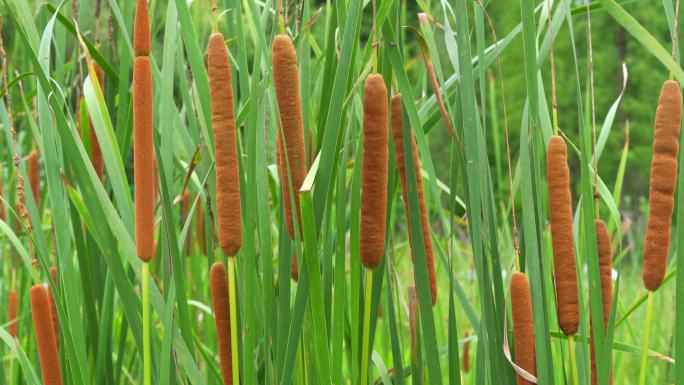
(220, 300)
(373, 194)
(144, 166)
(397, 121)
(228, 209)
(45, 336)
(34, 175)
(200, 228)
(605, 256)
(465, 361)
(54, 316)
(290, 150)
(562, 239)
(523, 326)
(13, 313)
(663, 181)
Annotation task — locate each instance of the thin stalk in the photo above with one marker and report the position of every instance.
(147, 369)
(366, 326)
(647, 335)
(573, 360)
(375, 41)
(233, 321)
(214, 17)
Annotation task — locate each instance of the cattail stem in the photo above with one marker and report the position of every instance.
(573, 360)
(233, 320)
(366, 326)
(147, 367)
(647, 335)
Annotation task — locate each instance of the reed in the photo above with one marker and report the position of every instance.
(45, 336)
(397, 121)
(662, 185)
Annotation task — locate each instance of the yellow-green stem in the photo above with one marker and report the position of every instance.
(366, 327)
(647, 335)
(573, 360)
(147, 370)
(233, 321)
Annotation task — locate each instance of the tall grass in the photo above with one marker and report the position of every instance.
(264, 120)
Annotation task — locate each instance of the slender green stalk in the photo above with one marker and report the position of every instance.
(366, 326)
(573, 360)
(647, 335)
(233, 321)
(147, 370)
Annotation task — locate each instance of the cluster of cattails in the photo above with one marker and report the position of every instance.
(560, 210)
(143, 158)
(663, 181)
(374, 171)
(290, 149)
(398, 139)
(605, 256)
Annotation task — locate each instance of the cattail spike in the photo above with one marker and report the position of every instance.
(562, 239)
(663, 181)
(523, 326)
(13, 313)
(228, 207)
(34, 175)
(45, 336)
(295, 268)
(143, 160)
(374, 176)
(605, 256)
(141, 30)
(219, 297)
(286, 82)
(398, 139)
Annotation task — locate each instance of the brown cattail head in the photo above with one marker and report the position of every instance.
(34, 175)
(54, 316)
(523, 326)
(141, 30)
(45, 336)
(219, 297)
(663, 180)
(95, 150)
(286, 82)
(295, 268)
(562, 239)
(398, 139)
(228, 208)
(13, 313)
(374, 176)
(605, 256)
(143, 159)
